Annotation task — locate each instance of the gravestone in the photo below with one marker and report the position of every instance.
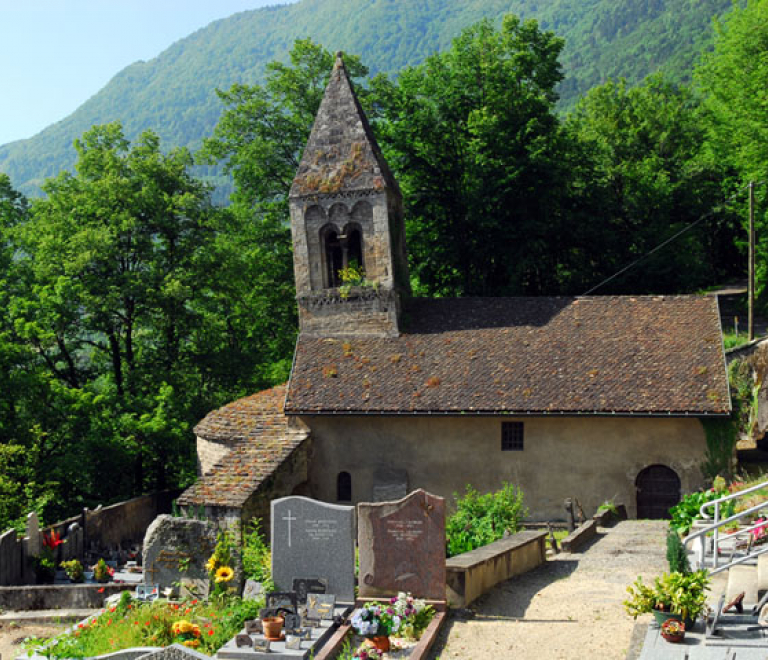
(32, 536)
(176, 549)
(305, 586)
(194, 588)
(402, 547)
(389, 484)
(314, 539)
(252, 590)
(74, 538)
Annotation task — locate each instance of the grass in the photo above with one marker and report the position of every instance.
(132, 624)
(733, 340)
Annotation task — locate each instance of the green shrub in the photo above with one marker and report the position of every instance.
(676, 555)
(684, 513)
(482, 519)
(256, 554)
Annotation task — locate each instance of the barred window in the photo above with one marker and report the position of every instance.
(511, 436)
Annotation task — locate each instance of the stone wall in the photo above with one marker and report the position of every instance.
(365, 311)
(291, 478)
(57, 597)
(210, 452)
(125, 524)
(593, 459)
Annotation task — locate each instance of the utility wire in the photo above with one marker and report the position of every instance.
(717, 209)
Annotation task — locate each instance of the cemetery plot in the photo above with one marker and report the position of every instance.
(402, 549)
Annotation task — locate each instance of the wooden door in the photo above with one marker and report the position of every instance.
(658, 489)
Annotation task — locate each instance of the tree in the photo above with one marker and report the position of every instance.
(475, 143)
(642, 178)
(120, 264)
(734, 81)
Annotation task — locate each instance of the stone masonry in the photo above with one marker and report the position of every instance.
(343, 185)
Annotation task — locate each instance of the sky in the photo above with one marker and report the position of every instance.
(56, 54)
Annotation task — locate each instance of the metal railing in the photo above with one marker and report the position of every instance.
(718, 539)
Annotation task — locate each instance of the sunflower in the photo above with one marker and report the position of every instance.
(210, 565)
(224, 574)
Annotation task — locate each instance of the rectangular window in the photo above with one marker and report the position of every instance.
(511, 436)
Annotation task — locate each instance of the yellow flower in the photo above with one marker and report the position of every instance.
(210, 565)
(185, 627)
(175, 628)
(224, 574)
(192, 643)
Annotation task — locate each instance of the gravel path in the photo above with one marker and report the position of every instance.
(568, 609)
(12, 636)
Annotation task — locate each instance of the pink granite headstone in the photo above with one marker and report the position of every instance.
(402, 547)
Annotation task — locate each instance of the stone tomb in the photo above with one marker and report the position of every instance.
(402, 547)
(312, 539)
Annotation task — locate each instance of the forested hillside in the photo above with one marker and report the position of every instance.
(174, 94)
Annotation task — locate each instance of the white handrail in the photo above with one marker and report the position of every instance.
(715, 527)
(731, 496)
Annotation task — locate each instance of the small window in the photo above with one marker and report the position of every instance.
(344, 487)
(511, 436)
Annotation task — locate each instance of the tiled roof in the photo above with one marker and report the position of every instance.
(265, 440)
(622, 355)
(341, 154)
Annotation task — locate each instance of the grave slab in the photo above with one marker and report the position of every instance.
(402, 547)
(280, 650)
(312, 539)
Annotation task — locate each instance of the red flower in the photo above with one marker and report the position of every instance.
(210, 632)
(101, 591)
(52, 540)
(194, 602)
(146, 623)
(79, 625)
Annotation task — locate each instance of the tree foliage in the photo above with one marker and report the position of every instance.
(734, 81)
(474, 139)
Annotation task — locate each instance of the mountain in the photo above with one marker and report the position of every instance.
(173, 94)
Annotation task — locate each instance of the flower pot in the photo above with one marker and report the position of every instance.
(273, 625)
(675, 638)
(661, 617)
(380, 642)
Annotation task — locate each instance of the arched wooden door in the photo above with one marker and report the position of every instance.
(658, 489)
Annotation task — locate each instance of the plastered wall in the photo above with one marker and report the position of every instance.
(589, 458)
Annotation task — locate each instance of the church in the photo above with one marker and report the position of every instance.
(595, 398)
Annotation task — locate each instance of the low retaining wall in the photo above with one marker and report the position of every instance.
(471, 574)
(579, 536)
(608, 517)
(58, 596)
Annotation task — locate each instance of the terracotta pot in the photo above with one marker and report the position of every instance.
(273, 625)
(675, 638)
(380, 642)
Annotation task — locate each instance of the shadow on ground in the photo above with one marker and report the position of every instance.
(509, 600)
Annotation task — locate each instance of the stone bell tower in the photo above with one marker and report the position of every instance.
(347, 211)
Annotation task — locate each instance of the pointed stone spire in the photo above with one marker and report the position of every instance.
(341, 155)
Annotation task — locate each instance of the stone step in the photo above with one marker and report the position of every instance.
(762, 574)
(742, 578)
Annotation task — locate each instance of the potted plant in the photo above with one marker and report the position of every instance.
(74, 570)
(675, 595)
(102, 572)
(376, 622)
(45, 564)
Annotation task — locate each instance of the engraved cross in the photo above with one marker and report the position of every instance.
(289, 518)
